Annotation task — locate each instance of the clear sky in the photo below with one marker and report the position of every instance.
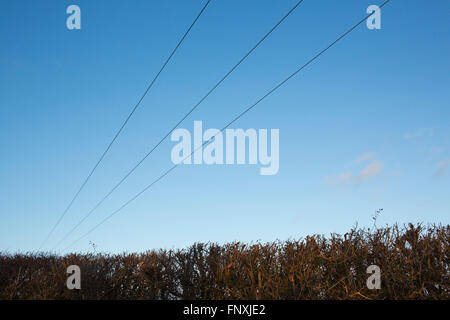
(364, 127)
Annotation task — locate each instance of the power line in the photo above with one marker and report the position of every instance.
(179, 122)
(123, 125)
(230, 123)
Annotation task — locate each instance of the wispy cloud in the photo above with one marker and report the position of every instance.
(442, 168)
(423, 132)
(364, 157)
(374, 168)
(340, 179)
(436, 150)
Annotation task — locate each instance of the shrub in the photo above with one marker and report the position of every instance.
(414, 264)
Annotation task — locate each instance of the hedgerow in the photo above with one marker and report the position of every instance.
(414, 263)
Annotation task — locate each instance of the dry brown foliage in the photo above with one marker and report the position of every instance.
(414, 263)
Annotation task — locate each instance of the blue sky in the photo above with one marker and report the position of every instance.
(364, 127)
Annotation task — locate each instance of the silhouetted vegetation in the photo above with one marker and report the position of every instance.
(414, 262)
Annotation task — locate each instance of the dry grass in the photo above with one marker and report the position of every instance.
(414, 264)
